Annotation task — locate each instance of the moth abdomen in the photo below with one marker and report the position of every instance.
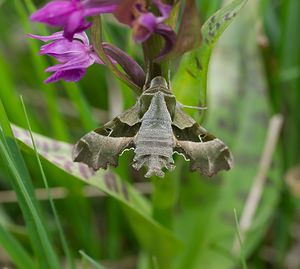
(149, 143)
(155, 141)
(154, 164)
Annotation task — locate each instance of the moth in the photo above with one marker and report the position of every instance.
(155, 127)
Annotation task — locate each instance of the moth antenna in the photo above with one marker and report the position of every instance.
(194, 107)
(147, 80)
(169, 79)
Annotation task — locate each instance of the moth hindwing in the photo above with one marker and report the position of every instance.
(155, 127)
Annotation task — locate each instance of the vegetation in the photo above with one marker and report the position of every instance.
(56, 214)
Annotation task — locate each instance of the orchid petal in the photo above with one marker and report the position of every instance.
(67, 75)
(75, 21)
(75, 63)
(54, 13)
(72, 14)
(144, 27)
(55, 36)
(164, 9)
(169, 36)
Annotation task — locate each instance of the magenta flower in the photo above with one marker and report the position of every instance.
(73, 57)
(71, 14)
(145, 23)
(76, 56)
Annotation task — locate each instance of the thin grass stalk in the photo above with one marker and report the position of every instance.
(15, 250)
(62, 237)
(21, 183)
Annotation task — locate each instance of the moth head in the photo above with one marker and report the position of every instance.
(158, 84)
(159, 81)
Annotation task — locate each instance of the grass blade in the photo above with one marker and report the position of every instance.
(15, 250)
(53, 208)
(91, 260)
(22, 185)
(239, 236)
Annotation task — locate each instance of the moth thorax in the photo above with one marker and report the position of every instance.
(159, 81)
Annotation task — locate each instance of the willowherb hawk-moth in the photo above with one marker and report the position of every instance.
(155, 127)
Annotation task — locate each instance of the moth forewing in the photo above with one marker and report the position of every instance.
(206, 153)
(98, 151)
(207, 157)
(102, 146)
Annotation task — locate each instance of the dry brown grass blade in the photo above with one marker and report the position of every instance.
(259, 181)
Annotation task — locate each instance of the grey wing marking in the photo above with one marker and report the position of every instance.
(99, 151)
(207, 157)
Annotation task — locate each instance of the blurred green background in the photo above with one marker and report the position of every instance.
(245, 218)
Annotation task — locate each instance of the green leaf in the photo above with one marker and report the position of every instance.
(21, 182)
(157, 240)
(238, 115)
(192, 73)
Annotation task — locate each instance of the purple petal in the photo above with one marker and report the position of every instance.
(144, 27)
(82, 37)
(59, 36)
(71, 14)
(54, 13)
(67, 75)
(81, 62)
(63, 50)
(55, 36)
(100, 3)
(75, 24)
(169, 36)
(164, 9)
(99, 10)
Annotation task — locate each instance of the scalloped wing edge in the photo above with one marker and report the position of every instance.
(98, 151)
(207, 157)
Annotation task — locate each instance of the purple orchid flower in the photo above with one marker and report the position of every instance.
(73, 57)
(76, 56)
(71, 14)
(145, 23)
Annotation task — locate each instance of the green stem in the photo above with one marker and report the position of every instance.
(151, 49)
(96, 33)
